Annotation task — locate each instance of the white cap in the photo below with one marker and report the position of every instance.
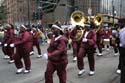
(24, 26)
(34, 28)
(55, 26)
(8, 25)
(87, 25)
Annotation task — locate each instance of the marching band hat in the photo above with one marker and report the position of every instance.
(87, 24)
(7, 26)
(105, 25)
(34, 29)
(23, 26)
(57, 27)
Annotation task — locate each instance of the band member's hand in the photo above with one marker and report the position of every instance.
(31, 32)
(45, 56)
(5, 45)
(110, 36)
(12, 45)
(0, 43)
(84, 40)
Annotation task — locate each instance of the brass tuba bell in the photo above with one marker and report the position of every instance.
(78, 18)
(98, 19)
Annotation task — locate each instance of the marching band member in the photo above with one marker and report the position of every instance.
(4, 48)
(100, 34)
(67, 35)
(87, 46)
(57, 56)
(36, 41)
(31, 42)
(75, 43)
(107, 37)
(23, 48)
(8, 39)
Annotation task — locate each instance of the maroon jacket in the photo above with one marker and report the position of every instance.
(100, 35)
(91, 40)
(57, 50)
(36, 37)
(108, 34)
(73, 33)
(9, 36)
(67, 34)
(24, 41)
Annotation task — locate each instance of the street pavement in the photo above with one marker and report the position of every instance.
(105, 70)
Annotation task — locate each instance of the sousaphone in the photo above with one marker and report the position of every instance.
(78, 18)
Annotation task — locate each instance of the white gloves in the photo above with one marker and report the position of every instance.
(5, 45)
(106, 40)
(31, 32)
(45, 56)
(12, 45)
(0, 43)
(84, 40)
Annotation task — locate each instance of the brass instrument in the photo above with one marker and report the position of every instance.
(79, 35)
(78, 18)
(98, 19)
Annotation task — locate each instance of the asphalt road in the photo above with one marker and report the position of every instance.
(105, 71)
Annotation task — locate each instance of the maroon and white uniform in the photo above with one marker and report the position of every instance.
(75, 44)
(36, 41)
(88, 48)
(8, 39)
(23, 48)
(100, 36)
(57, 59)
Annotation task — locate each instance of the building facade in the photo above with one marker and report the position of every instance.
(89, 7)
(17, 11)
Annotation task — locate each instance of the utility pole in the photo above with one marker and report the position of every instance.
(38, 11)
(28, 13)
(38, 3)
(120, 8)
(113, 9)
